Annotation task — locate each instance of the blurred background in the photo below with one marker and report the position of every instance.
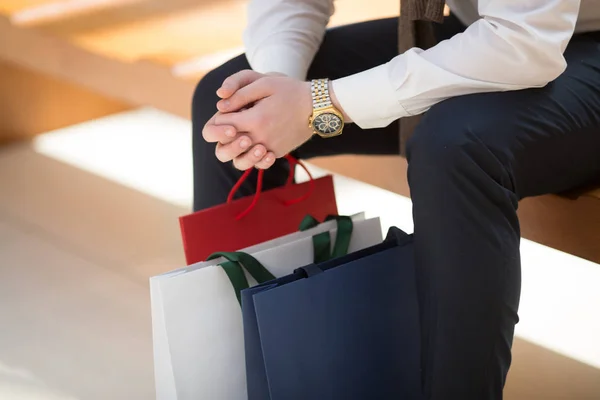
(95, 169)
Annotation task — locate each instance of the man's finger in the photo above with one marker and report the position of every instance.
(219, 133)
(240, 121)
(267, 161)
(244, 97)
(227, 152)
(236, 82)
(250, 158)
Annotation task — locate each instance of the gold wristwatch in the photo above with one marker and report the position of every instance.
(326, 120)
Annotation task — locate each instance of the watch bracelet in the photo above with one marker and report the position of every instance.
(320, 93)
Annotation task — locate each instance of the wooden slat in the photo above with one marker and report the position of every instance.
(31, 103)
(60, 10)
(131, 11)
(179, 30)
(350, 11)
(175, 37)
(387, 172)
(11, 6)
(572, 226)
(140, 83)
(569, 225)
(192, 69)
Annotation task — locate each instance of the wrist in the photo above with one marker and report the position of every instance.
(336, 103)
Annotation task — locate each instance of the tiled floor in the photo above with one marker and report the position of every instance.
(78, 244)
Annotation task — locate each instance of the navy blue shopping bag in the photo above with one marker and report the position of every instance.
(344, 329)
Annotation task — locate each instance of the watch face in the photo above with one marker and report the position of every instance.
(327, 123)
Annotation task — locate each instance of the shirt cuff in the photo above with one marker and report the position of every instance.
(368, 98)
(280, 58)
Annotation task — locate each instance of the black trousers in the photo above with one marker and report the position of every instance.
(471, 160)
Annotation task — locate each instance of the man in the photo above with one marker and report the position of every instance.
(511, 103)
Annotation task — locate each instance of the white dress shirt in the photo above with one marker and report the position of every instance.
(508, 45)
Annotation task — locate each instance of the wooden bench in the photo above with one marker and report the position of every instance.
(63, 62)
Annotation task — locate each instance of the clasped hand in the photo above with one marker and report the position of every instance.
(260, 117)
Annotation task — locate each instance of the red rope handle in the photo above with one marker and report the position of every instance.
(259, 184)
(238, 184)
(293, 161)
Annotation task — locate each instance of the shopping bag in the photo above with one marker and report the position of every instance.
(255, 219)
(197, 322)
(343, 329)
(164, 376)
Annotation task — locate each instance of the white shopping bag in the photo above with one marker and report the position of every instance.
(197, 321)
(164, 376)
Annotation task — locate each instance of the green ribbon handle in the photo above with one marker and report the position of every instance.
(322, 241)
(236, 276)
(238, 261)
(234, 268)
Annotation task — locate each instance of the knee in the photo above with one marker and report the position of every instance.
(439, 142)
(453, 142)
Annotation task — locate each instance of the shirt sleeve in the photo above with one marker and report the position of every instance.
(284, 35)
(515, 45)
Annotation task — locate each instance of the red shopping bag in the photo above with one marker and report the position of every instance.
(255, 219)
